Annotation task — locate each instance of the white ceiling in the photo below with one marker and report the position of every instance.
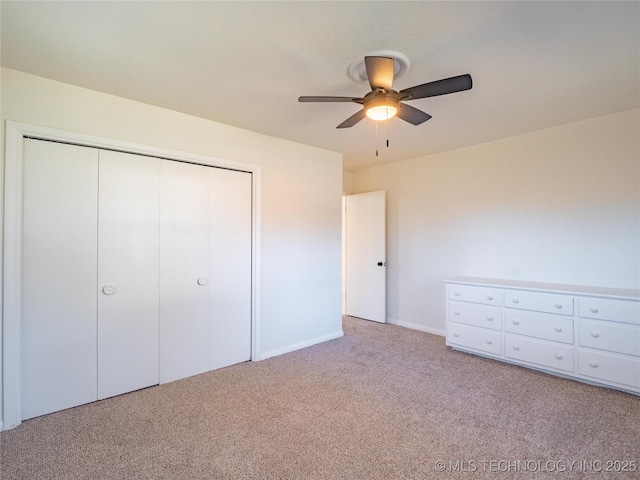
(534, 64)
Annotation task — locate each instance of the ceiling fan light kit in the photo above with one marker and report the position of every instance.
(382, 102)
(381, 106)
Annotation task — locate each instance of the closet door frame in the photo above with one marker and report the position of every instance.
(11, 187)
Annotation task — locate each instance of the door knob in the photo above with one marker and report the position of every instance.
(108, 289)
(202, 281)
(381, 264)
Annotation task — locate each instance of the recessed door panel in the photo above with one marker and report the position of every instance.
(128, 273)
(58, 277)
(230, 267)
(184, 270)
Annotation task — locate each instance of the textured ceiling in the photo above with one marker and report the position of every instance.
(534, 64)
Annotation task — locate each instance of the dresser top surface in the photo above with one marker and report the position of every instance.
(624, 293)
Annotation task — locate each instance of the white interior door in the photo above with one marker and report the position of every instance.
(230, 254)
(365, 256)
(128, 245)
(59, 272)
(136, 271)
(184, 270)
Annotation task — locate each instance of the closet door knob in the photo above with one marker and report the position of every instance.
(595, 334)
(593, 364)
(516, 347)
(558, 329)
(457, 294)
(489, 298)
(593, 310)
(558, 306)
(202, 281)
(515, 300)
(516, 322)
(108, 289)
(558, 356)
(456, 335)
(489, 342)
(490, 319)
(456, 313)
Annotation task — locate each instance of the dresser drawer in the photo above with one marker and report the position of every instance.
(626, 311)
(539, 325)
(468, 293)
(610, 336)
(610, 367)
(539, 352)
(539, 302)
(482, 339)
(486, 316)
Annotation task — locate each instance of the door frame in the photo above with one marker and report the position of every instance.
(11, 259)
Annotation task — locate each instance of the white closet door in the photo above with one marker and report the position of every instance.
(184, 270)
(230, 267)
(58, 277)
(128, 273)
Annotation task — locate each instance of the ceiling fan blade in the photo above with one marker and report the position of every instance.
(352, 120)
(412, 115)
(331, 99)
(439, 87)
(379, 72)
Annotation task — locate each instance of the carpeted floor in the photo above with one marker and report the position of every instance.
(383, 402)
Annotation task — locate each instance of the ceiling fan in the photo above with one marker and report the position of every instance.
(382, 102)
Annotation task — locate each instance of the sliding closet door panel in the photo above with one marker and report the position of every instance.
(184, 270)
(128, 273)
(230, 267)
(58, 277)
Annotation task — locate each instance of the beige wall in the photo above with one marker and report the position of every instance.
(562, 205)
(301, 194)
(346, 182)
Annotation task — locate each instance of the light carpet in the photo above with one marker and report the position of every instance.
(382, 402)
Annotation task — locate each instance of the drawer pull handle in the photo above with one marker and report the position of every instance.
(456, 335)
(515, 300)
(558, 329)
(516, 322)
(490, 319)
(558, 356)
(456, 313)
(489, 342)
(593, 310)
(558, 306)
(457, 294)
(593, 364)
(489, 298)
(595, 334)
(516, 347)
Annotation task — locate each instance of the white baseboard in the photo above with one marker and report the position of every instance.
(415, 326)
(298, 346)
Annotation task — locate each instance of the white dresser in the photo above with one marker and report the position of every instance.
(589, 334)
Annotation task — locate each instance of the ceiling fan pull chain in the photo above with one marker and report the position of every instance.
(387, 125)
(376, 139)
